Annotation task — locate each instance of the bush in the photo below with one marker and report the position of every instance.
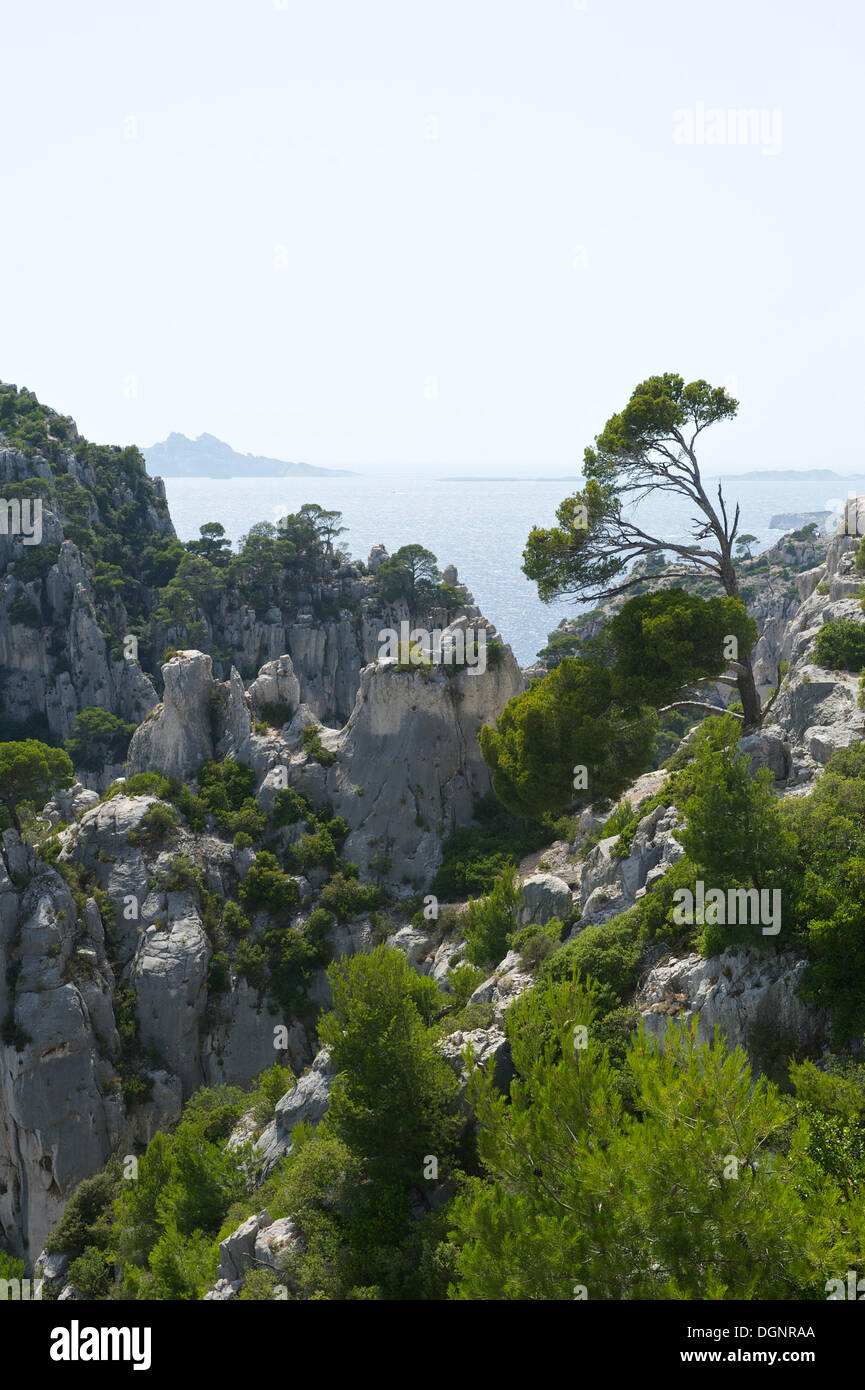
(346, 897)
(92, 1273)
(312, 745)
(98, 738)
(276, 714)
(158, 822)
(535, 943)
(86, 1220)
(490, 920)
(474, 856)
(235, 921)
(218, 974)
(841, 645)
(250, 961)
(609, 952)
(141, 784)
(271, 1086)
(25, 613)
(311, 850)
(267, 887)
(464, 981)
(182, 875)
(290, 806)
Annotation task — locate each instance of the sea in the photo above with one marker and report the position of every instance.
(480, 526)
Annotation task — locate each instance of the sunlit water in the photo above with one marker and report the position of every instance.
(481, 527)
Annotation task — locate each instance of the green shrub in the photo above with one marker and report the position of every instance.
(25, 613)
(266, 887)
(86, 1220)
(250, 961)
(841, 645)
(464, 981)
(474, 856)
(609, 952)
(311, 850)
(92, 1273)
(98, 737)
(290, 806)
(536, 943)
(276, 714)
(219, 973)
(141, 784)
(490, 920)
(182, 875)
(270, 1087)
(312, 745)
(235, 921)
(346, 897)
(158, 823)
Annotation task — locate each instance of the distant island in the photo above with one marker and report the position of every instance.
(208, 457)
(791, 521)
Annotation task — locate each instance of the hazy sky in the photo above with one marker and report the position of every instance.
(449, 234)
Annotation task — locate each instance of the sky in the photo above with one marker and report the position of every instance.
(448, 236)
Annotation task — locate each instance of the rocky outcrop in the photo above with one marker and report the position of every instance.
(277, 683)
(61, 635)
(750, 995)
(307, 1101)
(177, 736)
(610, 884)
(543, 897)
(257, 1243)
(61, 1108)
(411, 746)
(817, 710)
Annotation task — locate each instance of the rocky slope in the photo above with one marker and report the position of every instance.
(131, 936)
(123, 989)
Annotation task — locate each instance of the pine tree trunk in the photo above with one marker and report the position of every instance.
(747, 685)
(750, 698)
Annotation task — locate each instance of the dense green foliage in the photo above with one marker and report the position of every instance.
(703, 1185)
(491, 920)
(841, 645)
(98, 738)
(593, 715)
(564, 721)
(31, 771)
(474, 855)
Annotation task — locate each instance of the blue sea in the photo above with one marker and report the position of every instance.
(481, 527)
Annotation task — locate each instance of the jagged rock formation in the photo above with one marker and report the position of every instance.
(61, 644)
(61, 1107)
(610, 884)
(410, 743)
(751, 996)
(817, 710)
(411, 738)
(403, 770)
